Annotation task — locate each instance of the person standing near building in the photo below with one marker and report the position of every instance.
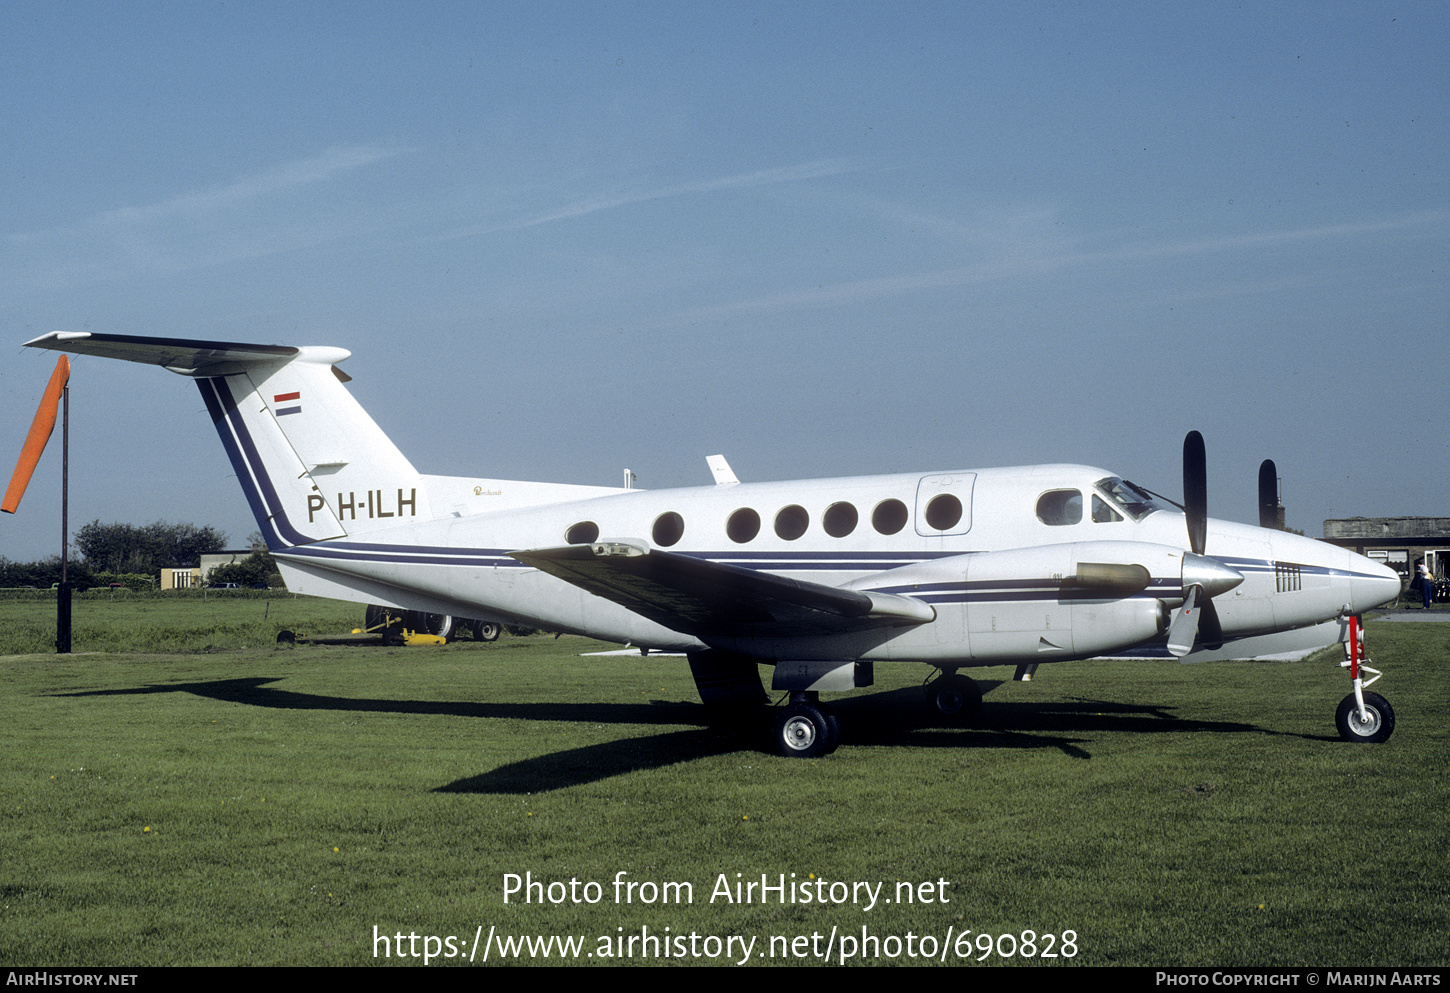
(1427, 582)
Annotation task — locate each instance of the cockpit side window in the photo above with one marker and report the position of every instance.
(1127, 497)
(1058, 507)
(1102, 513)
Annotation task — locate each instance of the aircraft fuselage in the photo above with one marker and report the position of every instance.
(993, 575)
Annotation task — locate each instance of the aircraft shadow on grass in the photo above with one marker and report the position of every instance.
(894, 718)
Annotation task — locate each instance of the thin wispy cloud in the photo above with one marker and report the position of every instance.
(1020, 265)
(250, 188)
(1422, 219)
(242, 218)
(611, 201)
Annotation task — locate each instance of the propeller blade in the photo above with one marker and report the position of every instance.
(1269, 495)
(1184, 631)
(1195, 490)
(1210, 631)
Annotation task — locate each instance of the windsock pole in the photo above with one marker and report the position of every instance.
(57, 394)
(62, 595)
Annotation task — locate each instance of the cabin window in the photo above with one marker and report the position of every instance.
(582, 533)
(944, 512)
(743, 525)
(1102, 513)
(668, 529)
(791, 522)
(1058, 507)
(840, 519)
(889, 516)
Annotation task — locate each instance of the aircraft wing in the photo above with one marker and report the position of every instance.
(703, 598)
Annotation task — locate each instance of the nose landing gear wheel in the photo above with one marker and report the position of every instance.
(806, 730)
(954, 699)
(1378, 725)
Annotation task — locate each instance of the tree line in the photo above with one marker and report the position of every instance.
(131, 550)
(147, 549)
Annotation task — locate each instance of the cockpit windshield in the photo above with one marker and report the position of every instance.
(1134, 501)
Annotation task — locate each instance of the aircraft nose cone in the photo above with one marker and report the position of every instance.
(1372, 584)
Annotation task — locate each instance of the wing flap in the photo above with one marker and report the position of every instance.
(704, 598)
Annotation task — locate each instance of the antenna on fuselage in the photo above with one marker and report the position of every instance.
(721, 470)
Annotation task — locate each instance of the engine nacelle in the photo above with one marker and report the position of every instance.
(1072, 600)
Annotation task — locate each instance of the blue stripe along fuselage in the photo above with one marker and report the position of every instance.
(983, 591)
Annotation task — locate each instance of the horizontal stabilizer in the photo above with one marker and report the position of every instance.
(185, 356)
(704, 598)
(312, 463)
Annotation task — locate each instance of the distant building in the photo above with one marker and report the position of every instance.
(180, 579)
(210, 560)
(191, 579)
(1395, 541)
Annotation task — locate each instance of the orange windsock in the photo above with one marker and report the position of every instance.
(40, 430)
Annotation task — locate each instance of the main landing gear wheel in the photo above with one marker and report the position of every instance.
(954, 699)
(806, 730)
(1379, 721)
(444, 626)
(486, 630)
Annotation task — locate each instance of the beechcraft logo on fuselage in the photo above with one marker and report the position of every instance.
(373, 506)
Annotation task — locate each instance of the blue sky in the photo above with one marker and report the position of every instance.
(823, 239)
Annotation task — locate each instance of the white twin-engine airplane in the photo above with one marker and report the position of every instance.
(821, 578)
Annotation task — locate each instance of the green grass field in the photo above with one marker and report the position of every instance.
(176, 621)
(250, 804)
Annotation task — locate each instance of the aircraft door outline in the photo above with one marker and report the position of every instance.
(944, 499)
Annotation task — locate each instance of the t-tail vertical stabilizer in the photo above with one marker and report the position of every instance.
(313, 464)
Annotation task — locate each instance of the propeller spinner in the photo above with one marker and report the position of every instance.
(1203, 578)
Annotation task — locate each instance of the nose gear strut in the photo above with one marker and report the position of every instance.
(1362, 717)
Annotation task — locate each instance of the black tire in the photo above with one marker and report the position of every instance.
(833, 729)
(805, 731)
(1378, 728)
(486, 630)
(954, 699)
(444, 626)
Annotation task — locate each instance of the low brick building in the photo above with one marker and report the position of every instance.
(1395, 541)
